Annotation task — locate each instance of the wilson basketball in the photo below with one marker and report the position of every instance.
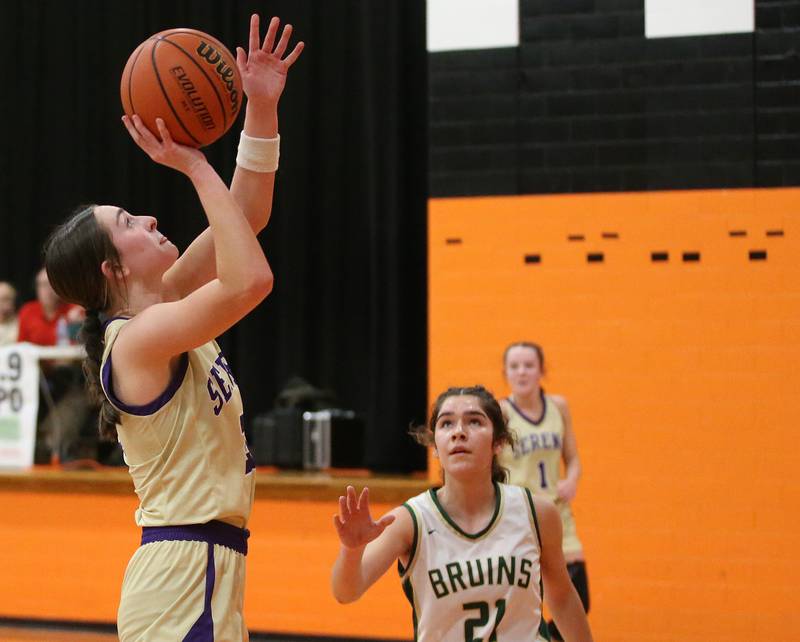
(189, 79)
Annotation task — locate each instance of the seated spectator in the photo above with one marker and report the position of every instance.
(8, 313)
(39, 319)
(66, 429)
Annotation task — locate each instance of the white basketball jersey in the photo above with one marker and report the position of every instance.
(481, 587)
(535, 459)
(186, 451)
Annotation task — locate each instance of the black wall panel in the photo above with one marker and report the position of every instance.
(777, 93)
(587, 103)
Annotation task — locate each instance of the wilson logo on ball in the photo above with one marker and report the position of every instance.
(224, 71)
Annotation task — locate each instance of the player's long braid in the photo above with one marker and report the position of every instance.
(73, 255)
(501, 432)
(92, 337)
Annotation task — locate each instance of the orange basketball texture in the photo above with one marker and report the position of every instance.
(187, 78)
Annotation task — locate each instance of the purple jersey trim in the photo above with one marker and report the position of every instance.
(108, 321)
(214, 532)
(158, 402)
(203, 629)
(526, 417)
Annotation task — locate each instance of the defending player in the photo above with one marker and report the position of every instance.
(543, 427)
(166, 391)
(473, 555)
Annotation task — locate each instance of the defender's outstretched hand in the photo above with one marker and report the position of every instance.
(354, 524)
(263, 67)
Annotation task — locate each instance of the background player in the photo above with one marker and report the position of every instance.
(544, 436)
(472, 554)
(166, 390)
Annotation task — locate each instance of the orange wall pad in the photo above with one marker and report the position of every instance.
(63, 556)
(682, 376)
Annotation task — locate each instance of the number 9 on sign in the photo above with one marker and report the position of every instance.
(15, 366)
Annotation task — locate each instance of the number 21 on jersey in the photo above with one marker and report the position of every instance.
(483, 619)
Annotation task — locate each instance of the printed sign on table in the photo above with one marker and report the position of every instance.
(19, 404)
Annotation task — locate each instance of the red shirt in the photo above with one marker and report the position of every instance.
(34, 327)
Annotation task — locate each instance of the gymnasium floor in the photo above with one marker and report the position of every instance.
(14, 633)
(50, 635)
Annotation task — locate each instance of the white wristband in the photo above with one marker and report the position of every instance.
(259, 154)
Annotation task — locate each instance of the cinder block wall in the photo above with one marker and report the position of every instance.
(670, 320)
(669, 317)
(586, 103)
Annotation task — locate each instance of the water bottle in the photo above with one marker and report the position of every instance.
(62, 332)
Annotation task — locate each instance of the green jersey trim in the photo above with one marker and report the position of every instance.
(498, 503)
(535, 520)
(408, 589)
(543, 630)
(414, 544)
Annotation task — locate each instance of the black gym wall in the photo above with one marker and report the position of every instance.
(586, 103)
(347, 236)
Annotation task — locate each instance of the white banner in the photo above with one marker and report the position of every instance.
(455, 25)
(678, 18)
(19, 404)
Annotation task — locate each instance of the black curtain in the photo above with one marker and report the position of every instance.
(347, 237)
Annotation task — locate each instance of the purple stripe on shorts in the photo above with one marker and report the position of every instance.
(203, 629)
(214, 532)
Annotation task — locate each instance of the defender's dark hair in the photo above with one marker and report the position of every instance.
(526, 344)
(73, 257)
(501, 433)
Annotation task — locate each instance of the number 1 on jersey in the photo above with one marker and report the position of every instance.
(542, 475)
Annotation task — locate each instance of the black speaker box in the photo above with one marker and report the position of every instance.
(277, 438)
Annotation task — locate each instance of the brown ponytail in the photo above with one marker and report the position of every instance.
(92, 337)
(73, 257)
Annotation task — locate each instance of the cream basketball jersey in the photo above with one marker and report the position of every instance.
(186, 450)
(536, 458)
(477, 587)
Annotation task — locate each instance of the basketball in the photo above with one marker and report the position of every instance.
(187, 78)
